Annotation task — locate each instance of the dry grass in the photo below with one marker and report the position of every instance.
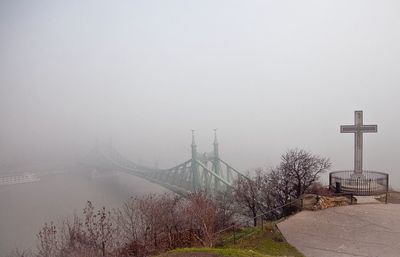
(246, 242)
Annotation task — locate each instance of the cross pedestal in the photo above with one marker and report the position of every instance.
(358, 129)
(359, 182)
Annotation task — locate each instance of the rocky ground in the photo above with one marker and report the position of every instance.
(313, 202)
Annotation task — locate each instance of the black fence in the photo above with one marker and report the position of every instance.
(367, 183)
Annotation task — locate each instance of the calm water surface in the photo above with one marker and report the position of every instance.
(24, 208)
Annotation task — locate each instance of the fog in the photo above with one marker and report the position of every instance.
(270, 75)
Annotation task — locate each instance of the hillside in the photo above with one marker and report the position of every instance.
(246, 242)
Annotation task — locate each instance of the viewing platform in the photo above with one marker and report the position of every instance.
(366, 183)
(358, 181)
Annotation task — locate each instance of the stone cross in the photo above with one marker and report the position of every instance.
(358, 129)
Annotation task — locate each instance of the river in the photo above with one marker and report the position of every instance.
(24, 208)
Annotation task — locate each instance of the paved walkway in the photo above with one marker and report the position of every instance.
(356, 230)
(366, 199)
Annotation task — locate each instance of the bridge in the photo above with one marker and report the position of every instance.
(204, 171)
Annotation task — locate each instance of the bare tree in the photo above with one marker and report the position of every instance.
(303, 168)
(227, 210)
(270, 193)
(281, 186)
(247, 193)
(130, 220)
(296, 174)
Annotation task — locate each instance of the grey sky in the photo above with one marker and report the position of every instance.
(270, 75)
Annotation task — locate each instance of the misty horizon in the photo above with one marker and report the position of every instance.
(270, 76)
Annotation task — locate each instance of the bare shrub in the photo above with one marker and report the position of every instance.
(94, 235)
(100, 231)
(47, 241)
(20, 253)
(318, 189)
(151, 224)
(201, 213)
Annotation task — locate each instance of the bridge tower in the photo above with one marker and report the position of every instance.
(216, 166)
(205, 171)
(194, 165)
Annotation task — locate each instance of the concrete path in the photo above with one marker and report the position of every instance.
(366, 199)
(356, 230)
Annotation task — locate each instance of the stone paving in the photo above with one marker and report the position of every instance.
(356, 230)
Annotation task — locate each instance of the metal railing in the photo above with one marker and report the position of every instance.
(367, 183)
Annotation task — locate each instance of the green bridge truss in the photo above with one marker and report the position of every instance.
(204, 171)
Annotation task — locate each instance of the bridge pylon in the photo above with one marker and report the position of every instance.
(206, 171)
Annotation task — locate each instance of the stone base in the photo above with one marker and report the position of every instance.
(357, 176)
